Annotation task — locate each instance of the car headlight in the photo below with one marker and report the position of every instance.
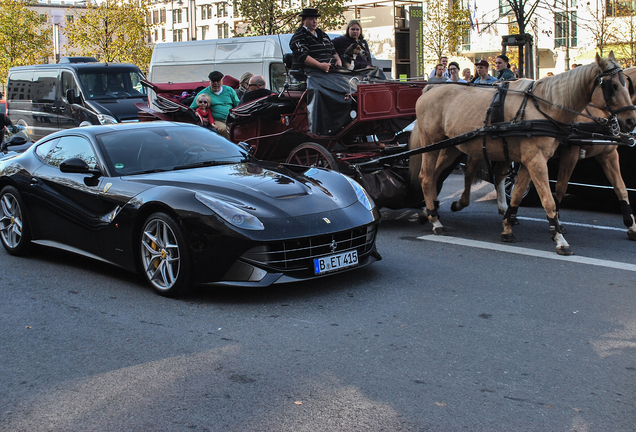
(362, 195)
(106, 119)
(233, 215)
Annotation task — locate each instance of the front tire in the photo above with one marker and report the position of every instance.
(165, 256)
(14, 228)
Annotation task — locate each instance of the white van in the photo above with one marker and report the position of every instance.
(192, 61)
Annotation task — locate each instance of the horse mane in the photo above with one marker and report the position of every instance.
(566, 89)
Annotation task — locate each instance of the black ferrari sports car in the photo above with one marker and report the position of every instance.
(183, 206)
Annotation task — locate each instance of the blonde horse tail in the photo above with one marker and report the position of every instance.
(415, 161)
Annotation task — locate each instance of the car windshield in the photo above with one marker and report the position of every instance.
(113, 84)
(154, 149)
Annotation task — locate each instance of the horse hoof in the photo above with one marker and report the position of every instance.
(565, 251)
(631, 235)
(439, 231)
(508, 238)
(456, 206)
(422, 219)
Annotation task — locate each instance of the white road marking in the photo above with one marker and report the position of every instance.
(601, 227)
(529, 252)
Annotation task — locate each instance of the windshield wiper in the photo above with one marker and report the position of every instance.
(204, 164)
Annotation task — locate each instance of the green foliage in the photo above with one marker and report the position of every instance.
(112, 31)
(24, 38)
(268, 17)
(443, 28)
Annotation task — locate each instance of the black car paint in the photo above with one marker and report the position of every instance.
(102, 216)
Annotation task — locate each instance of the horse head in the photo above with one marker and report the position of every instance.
(610, 92)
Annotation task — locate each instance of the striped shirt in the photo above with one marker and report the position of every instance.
(304, 44)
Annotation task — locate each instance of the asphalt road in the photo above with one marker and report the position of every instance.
(438, 336)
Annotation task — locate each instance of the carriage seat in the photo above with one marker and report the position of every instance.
(288, 60)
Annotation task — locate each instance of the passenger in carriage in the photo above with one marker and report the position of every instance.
(256, 90)
(483, 77)
(354, 37)
(204, 112)
(243, 84)
(502, 63)
(311, 46)
(222, 99)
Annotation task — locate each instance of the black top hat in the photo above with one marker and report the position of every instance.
(309, 12)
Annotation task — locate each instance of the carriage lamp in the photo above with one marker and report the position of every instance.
(353, 114)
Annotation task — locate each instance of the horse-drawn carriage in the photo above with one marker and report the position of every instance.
(350, 119)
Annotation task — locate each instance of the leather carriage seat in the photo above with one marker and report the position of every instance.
(288, 60)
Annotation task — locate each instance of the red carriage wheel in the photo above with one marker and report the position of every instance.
(313, 155)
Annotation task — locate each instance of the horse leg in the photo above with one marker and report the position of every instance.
(567, 163)
(538, 169)
(469, 176)
(610, 163)
(501, 172)
(428, 180)
(510, 216)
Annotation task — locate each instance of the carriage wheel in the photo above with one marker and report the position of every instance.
(530, 196)
(312, 155)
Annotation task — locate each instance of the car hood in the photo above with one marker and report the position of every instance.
(264, 192)
(121, 109)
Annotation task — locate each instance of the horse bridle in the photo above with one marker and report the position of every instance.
(608, 89)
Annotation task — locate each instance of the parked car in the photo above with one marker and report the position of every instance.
(182, 205)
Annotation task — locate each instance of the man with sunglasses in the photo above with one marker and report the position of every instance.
(222, 99)
(255, 90)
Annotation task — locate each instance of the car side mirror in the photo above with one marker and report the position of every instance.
(77, 165)
(13, 141)
(70, 96)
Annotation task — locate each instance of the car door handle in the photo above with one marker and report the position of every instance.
(34, 180)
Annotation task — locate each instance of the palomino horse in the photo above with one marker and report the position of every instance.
(606, 155)
(441, 113)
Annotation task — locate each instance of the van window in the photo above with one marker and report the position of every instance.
(19, 86)
(277, 77)
(44, 86)
(68, 82)
(181, 73)
(115, 84)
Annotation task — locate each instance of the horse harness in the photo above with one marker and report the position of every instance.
(604, 129)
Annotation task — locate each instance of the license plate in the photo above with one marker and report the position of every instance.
(335, 262)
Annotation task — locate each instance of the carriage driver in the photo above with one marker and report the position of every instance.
(311, 46)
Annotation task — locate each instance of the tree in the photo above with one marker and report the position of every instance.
(24, 38)
(625, 34)
(443, 28)
(268, 17)
(112, 31)
(598, 27)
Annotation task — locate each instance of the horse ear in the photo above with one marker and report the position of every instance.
(599, 61)
(611, 56)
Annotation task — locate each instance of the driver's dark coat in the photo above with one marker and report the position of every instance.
(304, 44)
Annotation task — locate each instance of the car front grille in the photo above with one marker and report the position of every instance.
(298, 254)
